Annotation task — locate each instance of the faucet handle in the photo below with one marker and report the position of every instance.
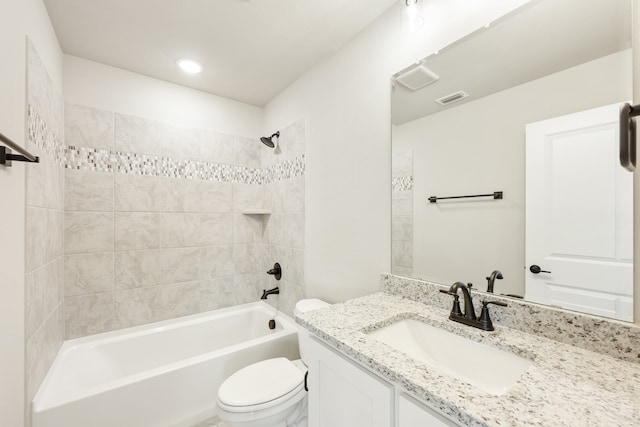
(500, 303)
(485, 320)
(455, 309)
(445, 291)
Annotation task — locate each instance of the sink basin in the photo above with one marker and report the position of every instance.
(488, 368)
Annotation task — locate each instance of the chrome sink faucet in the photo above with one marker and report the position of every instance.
(469, 316)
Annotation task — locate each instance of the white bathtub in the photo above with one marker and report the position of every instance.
(161, 374)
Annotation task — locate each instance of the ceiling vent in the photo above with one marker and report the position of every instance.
(453, 97)
(417, 77)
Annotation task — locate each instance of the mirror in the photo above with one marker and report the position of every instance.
(527, 107)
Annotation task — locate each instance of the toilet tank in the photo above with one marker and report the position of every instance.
(303, 306)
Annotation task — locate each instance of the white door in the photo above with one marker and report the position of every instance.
(579, 215)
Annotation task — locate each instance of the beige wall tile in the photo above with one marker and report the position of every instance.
(247, 152)
(86, 274)
(45, 182)
(199, 229)
(295, 194)
(211, 197)
(137, 230)
(184, 195)
(44, 291)
(248, 228)
(143, 305)
(134, 269)
(137, 135)
(217, 261)
(248, 288)
(88, 191)
(402, 228)
(89, 127)
(89, 314)
(401, 254)
(88, 232)
(402, 202)
(216, 293)
(289, 295)
(250, 197)
(137, 193)
(44, 236)
(42, 348)
(249, 258)
(216, 147)
(180, 142)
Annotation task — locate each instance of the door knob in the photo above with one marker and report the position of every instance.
(535, 269)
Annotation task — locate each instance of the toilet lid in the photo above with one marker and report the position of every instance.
(261, 382)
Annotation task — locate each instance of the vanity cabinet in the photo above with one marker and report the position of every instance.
(414, 414)
(344, 394)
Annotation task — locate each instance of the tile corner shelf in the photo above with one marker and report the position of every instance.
(256, 211)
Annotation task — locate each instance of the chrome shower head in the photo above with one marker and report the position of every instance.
(268, 141)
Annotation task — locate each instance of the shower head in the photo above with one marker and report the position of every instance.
(268, 141)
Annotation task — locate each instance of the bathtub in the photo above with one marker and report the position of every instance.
(161, 374)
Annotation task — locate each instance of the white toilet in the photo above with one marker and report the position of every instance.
(270, 393)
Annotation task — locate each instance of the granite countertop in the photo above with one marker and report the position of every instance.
(565, 385)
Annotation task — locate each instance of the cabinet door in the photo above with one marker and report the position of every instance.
(342, 394)
(414, 414)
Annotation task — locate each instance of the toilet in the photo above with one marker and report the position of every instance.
(269, 393)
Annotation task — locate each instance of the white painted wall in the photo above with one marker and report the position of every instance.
(346, 100)
(22, 18)
(96, 85)
(465, 242)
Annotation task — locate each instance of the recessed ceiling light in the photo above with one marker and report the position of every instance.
(189, 66)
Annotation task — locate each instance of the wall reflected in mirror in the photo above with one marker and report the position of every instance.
(528, 107)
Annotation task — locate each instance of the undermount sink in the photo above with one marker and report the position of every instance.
(488, 368)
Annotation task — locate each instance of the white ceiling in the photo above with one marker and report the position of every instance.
(541, 38)
(250, 49)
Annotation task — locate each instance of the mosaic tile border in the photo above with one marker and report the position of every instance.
(92, 159)
(402, 183)
(98, 160)
(43, 137)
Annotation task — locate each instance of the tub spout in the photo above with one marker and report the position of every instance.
(266, 293)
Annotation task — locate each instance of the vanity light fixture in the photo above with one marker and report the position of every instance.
(189, 66)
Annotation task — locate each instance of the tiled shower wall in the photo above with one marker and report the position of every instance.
(284, 228)
(44, 232)
(160, 220)
(402, 213)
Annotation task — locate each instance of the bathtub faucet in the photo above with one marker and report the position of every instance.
(266, 293)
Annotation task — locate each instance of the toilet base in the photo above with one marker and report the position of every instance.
(294, 416)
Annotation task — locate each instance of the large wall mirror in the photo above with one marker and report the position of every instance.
(527, 106)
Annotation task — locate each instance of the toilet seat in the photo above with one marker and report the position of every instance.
(262, 385)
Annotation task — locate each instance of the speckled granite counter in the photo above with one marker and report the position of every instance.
(565, 386)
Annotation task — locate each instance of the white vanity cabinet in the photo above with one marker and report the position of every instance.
(344, 394)
(414, 414)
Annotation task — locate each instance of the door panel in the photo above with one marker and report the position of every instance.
(579, 214)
